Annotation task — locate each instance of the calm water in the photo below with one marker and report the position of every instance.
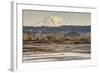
(55, 52)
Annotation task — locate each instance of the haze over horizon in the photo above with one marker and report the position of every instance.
(51, 18)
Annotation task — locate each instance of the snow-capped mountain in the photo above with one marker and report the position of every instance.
(52, 21)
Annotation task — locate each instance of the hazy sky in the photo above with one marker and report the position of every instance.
(32, 17)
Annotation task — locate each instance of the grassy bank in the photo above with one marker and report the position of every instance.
(57, 38)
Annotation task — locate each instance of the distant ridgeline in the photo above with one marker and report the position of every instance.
(56, 30)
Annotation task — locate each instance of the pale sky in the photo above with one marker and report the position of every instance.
(33, 17)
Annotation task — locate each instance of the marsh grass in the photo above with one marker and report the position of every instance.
(54, 38)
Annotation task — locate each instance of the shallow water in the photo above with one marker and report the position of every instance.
(55, 52)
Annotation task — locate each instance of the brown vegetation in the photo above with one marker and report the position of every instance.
(49, 38)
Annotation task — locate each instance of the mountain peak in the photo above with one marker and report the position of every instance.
(54, 21)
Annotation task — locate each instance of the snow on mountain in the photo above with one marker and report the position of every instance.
(52, 21)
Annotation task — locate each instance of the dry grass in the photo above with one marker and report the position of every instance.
(48, 38)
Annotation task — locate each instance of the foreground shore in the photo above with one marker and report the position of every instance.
(55, 52)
